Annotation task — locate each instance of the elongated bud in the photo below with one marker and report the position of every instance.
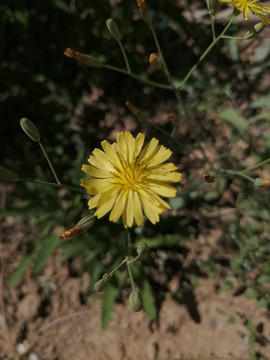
(255, 30)
(82, 226)
(261, 182)
(171, 117)
(208, 178)
(213, 6)
(135, 300)
(132, 108)
(113, 29)
(142, 249)
(87, 221)
(83, 58)
(144, 11)
(30, 129)
(101, 284)
(8, 175)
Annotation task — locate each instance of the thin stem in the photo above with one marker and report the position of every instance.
(163, 62)
(256, 166)
(118, 266)
(176, 90)
(125, 56)
(59, 186)
(50, 163)
(234, 37)
(127, 239)
(134, 76)
(212, 19)
(238, 173)
(210, 47)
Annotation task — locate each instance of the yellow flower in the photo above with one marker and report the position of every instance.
(258, 9)
(126, 180)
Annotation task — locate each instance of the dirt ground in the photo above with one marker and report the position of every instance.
(44, 318)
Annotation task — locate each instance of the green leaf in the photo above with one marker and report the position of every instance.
(20, 269)
(148, 303)
(49, 243)
(232, 117)
(109, 297)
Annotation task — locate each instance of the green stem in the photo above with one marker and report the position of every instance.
(138, 78)
(163, 62)
(127, 240)
(125, 56)
(212, 19)
(234, 37)
(50, 163)
(210, 47)
(238, 173)
(256, 166)
(59, 186)
(176, 90)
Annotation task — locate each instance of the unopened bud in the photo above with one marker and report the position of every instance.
(258, 182)
(142, 249)
(102, 283)
(208, 178)
(154, 59)
(132, 108)
(144, 12)
(87, 221)
(30, 129)
(82, 226)
(83, 58)
(213, 6)
(171, 117)
(255, 30)
(135, 300)
(8, 175)
(113, 29)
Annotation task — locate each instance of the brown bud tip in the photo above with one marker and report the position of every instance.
(132, 108)
(265, 182)
(171, 117)
(208, 178)
(142, 5)
(154, 59)
(73, 54)
(71, 233)
(135, 300)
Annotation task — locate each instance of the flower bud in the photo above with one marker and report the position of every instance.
(144, 12)
(102, 283)
(82, 226)
(86, 222)
(135, 300)
(153, 59)
(265, 182)
(30, 129)
(113, 29)
(213, 6)
(255, 30)
(208, 178)
(83, 58)
(142, 249)
(171, 117)
(132, 108)
(8, 175)
(257, 182)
